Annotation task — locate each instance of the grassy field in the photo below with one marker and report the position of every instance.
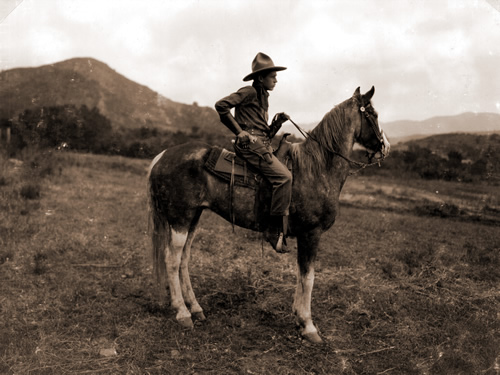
(407, 281)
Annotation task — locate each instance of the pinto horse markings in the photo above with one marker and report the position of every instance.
(180, 188)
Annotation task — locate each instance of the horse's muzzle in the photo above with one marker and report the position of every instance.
(386, 146)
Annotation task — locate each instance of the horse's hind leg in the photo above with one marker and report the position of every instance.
(187, 289)
(173, 257)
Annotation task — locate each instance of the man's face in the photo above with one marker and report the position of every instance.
(269, 81)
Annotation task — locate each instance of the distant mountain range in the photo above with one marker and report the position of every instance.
(86, 81)
(403, 131)
(407, 130)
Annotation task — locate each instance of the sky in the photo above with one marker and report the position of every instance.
(425, 58)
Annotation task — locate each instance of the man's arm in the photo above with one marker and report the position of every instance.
(278, 120)
(223, 108)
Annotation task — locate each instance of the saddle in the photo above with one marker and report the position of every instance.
(230, 167)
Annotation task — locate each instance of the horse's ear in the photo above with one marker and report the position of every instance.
(367, 97)
(357, 93)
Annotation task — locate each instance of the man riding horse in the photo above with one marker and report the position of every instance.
(253, 140)
(182, 186)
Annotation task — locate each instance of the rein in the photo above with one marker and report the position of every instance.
(359, 164)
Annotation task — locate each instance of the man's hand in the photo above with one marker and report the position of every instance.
(281, 117)
(244, 139)
(278, 120)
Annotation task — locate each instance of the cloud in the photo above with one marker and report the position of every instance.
(425, 58)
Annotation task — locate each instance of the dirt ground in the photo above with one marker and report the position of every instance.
(406, 281)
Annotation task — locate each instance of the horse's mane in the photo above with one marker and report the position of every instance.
(312, 155)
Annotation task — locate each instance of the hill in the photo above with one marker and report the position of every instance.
(471, 146)
(86, 81)
(400, 131)
(129, 105)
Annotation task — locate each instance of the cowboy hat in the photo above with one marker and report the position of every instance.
(262, 63)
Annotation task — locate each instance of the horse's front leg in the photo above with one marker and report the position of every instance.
(307, 247)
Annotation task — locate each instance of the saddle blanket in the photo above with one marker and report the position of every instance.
(223, 163)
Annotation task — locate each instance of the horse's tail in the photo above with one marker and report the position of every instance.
(159, 229)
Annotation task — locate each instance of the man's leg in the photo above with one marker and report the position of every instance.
(281, 179)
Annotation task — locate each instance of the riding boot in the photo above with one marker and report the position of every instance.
(276, 233)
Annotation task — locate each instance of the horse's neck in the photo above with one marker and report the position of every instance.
(313, 162)
(323, 155)
(338, 146)
(336, 131)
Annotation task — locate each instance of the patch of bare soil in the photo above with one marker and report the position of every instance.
(396, 292)
(437, 198)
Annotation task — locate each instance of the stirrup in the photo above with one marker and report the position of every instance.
(280, 245)
(275, 233)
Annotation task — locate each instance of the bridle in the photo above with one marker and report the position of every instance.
(378, 133)
(376, 129)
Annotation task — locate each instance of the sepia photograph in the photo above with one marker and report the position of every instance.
(283, 187)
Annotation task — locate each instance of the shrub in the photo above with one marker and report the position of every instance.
(40, 264)
(30, 190)
(484, 262)
(40, 163)
(481, 256)
(6, 252)
(443, 210)
(415, 259)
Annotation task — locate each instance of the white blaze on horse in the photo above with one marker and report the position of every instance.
(181, 187)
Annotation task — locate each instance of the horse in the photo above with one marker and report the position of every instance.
(180, 188)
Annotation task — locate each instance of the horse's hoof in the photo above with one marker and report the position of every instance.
(186, 322)
(198, 316)
(313, 337)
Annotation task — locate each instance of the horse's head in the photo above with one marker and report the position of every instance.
(368, 131)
